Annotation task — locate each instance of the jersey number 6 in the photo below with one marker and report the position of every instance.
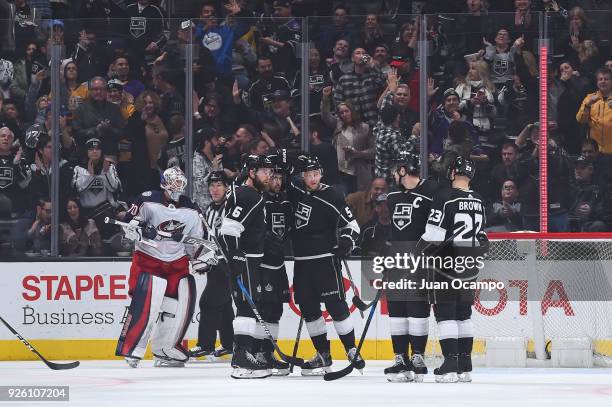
(236, 212)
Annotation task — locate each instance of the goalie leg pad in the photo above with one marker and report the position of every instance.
(147, 298)
(173, 322)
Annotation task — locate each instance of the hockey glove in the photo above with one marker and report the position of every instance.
(237, 264)
(133, 232)
(205, 254)
(199, 267)
(274, 245)
(149, 232)
(344, 248)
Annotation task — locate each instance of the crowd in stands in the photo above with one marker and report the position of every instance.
(122, 104)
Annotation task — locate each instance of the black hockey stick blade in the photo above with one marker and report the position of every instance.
(52, 365)
(331, 376)
(61, 366)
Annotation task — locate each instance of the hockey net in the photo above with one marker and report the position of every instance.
(555, 286)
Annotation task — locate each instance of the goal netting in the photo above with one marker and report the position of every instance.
(555, 287)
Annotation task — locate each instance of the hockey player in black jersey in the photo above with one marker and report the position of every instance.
(216, 311)
(456, 210)
(319, 212)
(241, 231)
(274, 283)
(409, 311)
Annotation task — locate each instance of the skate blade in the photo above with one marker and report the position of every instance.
(208, 359)
(241, 373)
(418, 378)
(316, 372)
(402, 377)
(280, 372)
(168, 363)
(447, 378)
(465, 377)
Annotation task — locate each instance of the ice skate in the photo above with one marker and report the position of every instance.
(447, 372)
(246, 366)
(401, 371)
(167, 362)
(275, 366)
(465, 368)
(221, 351)
(419, 367)
(197, 352)
(318, 365)
(357, 360)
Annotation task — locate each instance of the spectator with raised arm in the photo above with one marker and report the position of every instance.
(361, 87)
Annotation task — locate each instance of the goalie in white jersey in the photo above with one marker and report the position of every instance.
(159, 281)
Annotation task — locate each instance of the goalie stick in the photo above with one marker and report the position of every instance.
(331, 376)
(197, 241)
(52, 365)
(362, 306)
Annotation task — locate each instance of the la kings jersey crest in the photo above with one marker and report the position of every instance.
(402, 215)
(302, 215)
(138, 26)
(278, 223)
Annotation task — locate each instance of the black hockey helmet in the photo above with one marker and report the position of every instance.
(309, 162)
(409, 160)
(217, 176)
(462, 166)
(255, 162)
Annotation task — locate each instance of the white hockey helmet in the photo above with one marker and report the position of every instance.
(174, 182)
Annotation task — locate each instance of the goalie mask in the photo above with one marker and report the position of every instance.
(462, 166)
(174, 182)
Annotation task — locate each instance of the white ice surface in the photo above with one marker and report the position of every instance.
(113, 383)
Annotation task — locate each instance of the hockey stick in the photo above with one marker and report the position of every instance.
(363, 306)
(355, 290)
(328, 377)
(52, 365)
(112, 221)
(297, 341)
(289, 359)
(195, 241)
